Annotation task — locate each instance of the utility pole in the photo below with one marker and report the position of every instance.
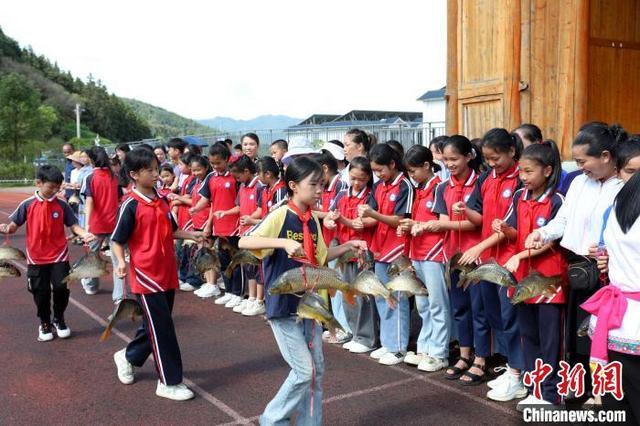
(78, 121)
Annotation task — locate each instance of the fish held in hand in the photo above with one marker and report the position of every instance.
(8, 270)
(11, 253)
(91, 265)
(368, 283)
(313, 307)
(126, 308)
(401, 264)
(454, 265)
(490, 272)
(534, 285)
(408, 282)
(305, 278)
(206, 259)
(241, 258)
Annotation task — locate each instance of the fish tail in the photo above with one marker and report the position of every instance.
(105, 334)
(392, 302)
(229, 271)
(333, 326)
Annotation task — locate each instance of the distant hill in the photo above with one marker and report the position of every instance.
(164, 123)
(259, 123)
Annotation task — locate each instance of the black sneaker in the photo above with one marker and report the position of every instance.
(45, 332)
(62, 330)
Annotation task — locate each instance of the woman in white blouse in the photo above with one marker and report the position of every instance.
(579, 220)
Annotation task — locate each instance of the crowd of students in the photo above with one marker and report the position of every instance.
(503, 197)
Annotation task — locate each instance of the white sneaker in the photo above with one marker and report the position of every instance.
(242, 305)
(391, 358)
(233, 302)
(207, 290)
(45, 334)
(224, 299)
(176, 392)
(186, 286)
(90, 290)
(348, 345)
(62, 330)
(413, 358)
(498, 380)
(431, 364)
(254, 309)
(379, 353)
(125, 369)
(510, 388)
(359, 348)
(529, 401)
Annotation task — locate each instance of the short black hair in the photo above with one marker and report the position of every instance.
(325, 158)
(69, 144)
(219, 149)
(177, 143)
(138, 159)
(167, 168)
(237, 146)
(195, 149)
(144, 146)
(161, 147)
(186, 158)
(244, 163)
(48, 173)
(123, 147)
(229, 142)
(281, 143)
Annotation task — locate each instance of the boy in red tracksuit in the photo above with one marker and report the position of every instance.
(45, 216)
(145, 224)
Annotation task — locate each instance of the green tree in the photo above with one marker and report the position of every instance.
(23, 118)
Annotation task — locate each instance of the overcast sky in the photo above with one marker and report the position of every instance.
(244, 58)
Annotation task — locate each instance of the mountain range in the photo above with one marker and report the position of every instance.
(261, 122)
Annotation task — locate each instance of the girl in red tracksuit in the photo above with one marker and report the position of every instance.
(167, 177)
(391, 200)
(539, 318)
(275, 190)
(462, 159)
(333, 185)
(426, 251)
(346, 224)
(490, 201)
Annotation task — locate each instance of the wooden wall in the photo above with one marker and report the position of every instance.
(549, 62)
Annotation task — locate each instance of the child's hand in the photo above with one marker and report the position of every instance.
(459, 207)
(121, 269)
(293, 248)
(433, 226)
(357, 224)
(470, 255)
(404, 227)
(333, 215)
(197, 236)
(534, 240)
(193, 211)
(219, 214)
(358, 245)
(512, 264)
(497, 225)
(418, 228)
(364, 210)
(88, 237)
(4, 228)
(330, 224)
(206, 232)
(245, 220)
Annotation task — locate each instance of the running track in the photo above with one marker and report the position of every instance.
(230, 361)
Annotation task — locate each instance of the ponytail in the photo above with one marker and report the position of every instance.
(627, 203)
(546, 154)
(383, 155)
(599, 137)
(417, 155)
(463, 146)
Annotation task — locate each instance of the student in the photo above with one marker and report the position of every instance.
(237, 149)
(180, 204)
(462, 160)
(391, 200)
(167, 177)
(147, 228)
(490, 201)
(278, 149)
(47, 251)
(201, 168)
(71, 186)
(121, 151)
(336, 148)
(529, 134)
(102, 197)
(161, 154)
(175, 148)
(628, 158)
(250, 212)
(617, 340)
(396, 146)
(250, 144)
(579, 221)
(275, 191)
(299, 341)
(357, 143)
(539, 318)
(426, 251)
(361, 317)
(435, 146)
(219, 187)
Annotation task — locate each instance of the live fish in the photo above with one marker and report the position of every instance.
(206, 259)
(8, 270)
(313, 307)
(73, 200)
(368, 283)
(453, 265)
(91, 265)
(534, 285)
(491, 272)
(11, 253)
(126, 308)
(408, 282)
(297, 280)
(400, 265)
(241, 258)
